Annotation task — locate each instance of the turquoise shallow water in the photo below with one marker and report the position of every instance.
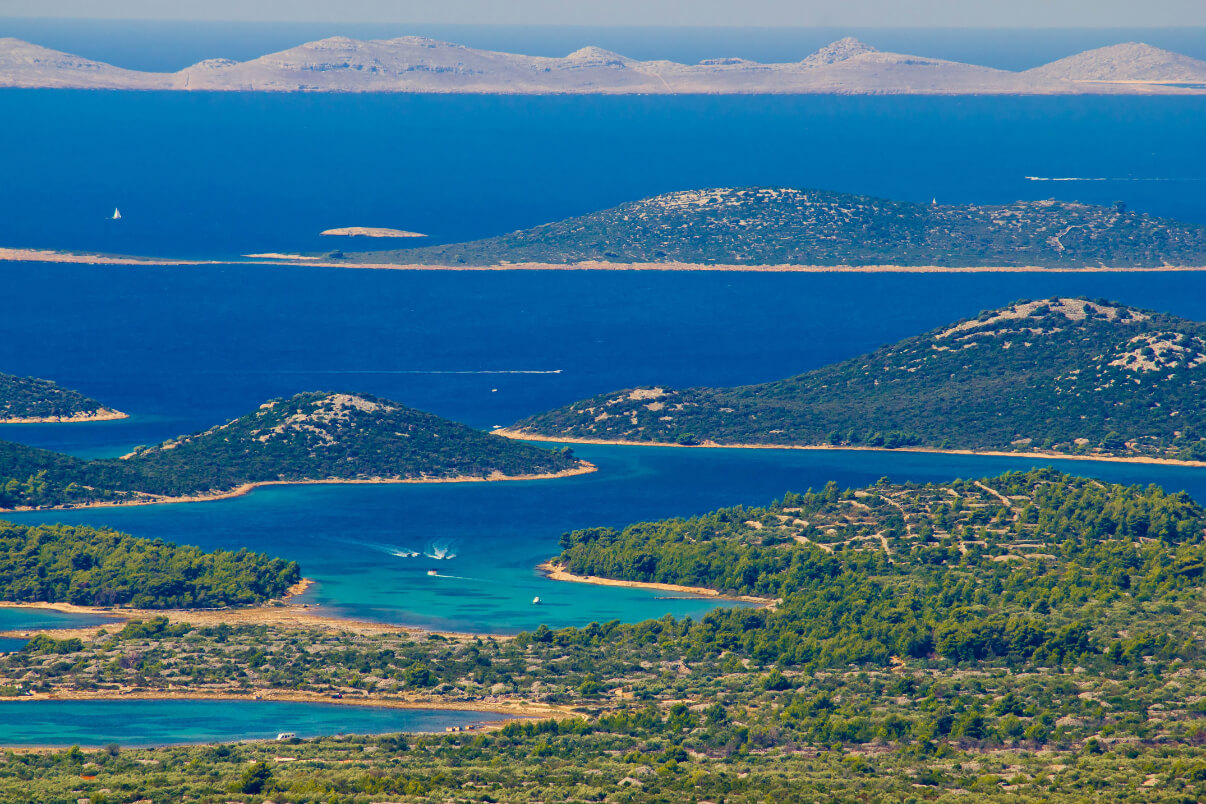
(147, 722)
(349, 538)
(20, 619)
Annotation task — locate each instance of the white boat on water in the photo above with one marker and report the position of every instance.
(536, 601)
(433, 572)
(116, 214)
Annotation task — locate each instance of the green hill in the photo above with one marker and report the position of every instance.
(31, 399)
(96, 567)
(311, 436)
(785, 226)
(1066, 376)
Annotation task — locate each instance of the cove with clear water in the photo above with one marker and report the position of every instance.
(184, 348)
(154, 722)
(35, 619)
(199, 345)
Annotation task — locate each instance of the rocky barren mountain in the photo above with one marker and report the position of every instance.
(418, 64)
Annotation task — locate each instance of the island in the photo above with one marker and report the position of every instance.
(28, 400)
(784, 228)
(418, 64)
(314, 437)
(370, 231)
(1032, 636)
(86, 566)
(1064, 376)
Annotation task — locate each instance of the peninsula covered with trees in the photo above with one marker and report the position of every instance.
(96, 567)
(313, 436)
(31, 400)
(783, 226)
(1058, 376)
(1028, 637)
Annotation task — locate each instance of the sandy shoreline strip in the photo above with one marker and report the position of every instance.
(510, 708)
(48, 255)
(583, 468)
(101, 415)
(274, 613)
(556, 572)
(522, 435)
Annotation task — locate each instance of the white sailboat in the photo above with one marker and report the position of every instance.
(116, 214)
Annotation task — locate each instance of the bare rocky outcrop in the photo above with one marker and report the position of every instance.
(420, 65)
(1130, 61)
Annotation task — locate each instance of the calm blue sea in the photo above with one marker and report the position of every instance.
(150, 723)
(184, 348)
(223, 174)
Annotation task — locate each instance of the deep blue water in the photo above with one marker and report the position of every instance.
(149, 722)
(222, 174)
(184, 348)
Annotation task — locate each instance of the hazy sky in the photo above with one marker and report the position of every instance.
(862, 13)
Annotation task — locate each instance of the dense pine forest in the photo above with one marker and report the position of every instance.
(311, 436)
(1022, 638)
(93, 567)
(1060, 376)
(755, 226)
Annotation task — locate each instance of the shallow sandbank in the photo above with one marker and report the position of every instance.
(370, 231)
(556, 572)
(274, 258)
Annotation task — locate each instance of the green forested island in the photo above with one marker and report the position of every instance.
(757, 226)
(28, 399)
(1062, 375)
(308, 437)
(1033, 637)
(95, 567)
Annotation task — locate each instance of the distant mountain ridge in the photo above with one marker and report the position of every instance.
(790, 226)
(421, 65)
(1130, 61)
(1061, 376)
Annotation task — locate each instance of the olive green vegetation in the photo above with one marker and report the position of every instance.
(311, 436)
(1030, 637)
(32, 398)
(1066, 376)
(787, 226)
(95, 567)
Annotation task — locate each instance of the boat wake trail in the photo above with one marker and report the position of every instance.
(440, 552)
(390, 549)
(1114, 178)
(453, 577)
(416, 371)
